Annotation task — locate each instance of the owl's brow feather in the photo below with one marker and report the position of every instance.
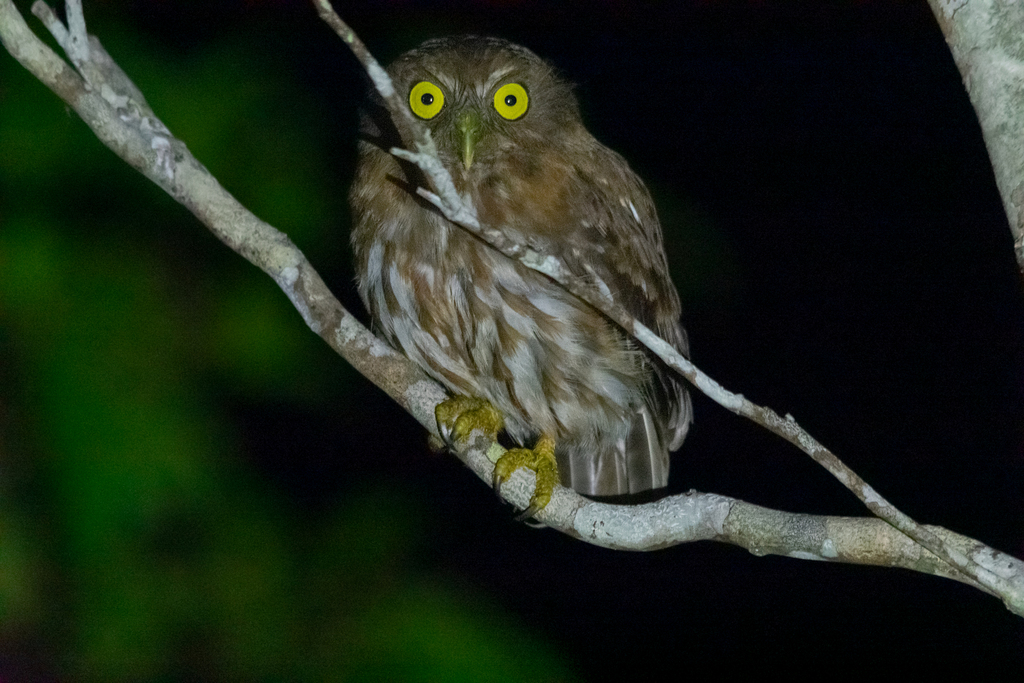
(493, 79)
(480, 88)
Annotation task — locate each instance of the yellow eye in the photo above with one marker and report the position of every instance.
(511, 101)
(426, 100)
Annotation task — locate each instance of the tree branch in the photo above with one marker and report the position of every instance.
(115, 110)
(985, 37)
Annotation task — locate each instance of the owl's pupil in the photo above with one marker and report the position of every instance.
(427, 99)
(510, 100)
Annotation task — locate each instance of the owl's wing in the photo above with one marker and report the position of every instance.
(618, 242)
(589, 209)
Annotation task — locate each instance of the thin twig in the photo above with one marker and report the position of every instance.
(78, 40)
(52, 23)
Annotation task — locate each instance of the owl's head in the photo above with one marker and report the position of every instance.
(485, 99)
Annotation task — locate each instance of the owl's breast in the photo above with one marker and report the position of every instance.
(486, 326)
(529, 195)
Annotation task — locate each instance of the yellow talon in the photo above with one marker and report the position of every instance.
(540, 459)
(460, 415)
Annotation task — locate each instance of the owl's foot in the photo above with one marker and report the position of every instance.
(460, 415)
(540, 459)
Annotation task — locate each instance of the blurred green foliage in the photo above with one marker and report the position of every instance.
(135, 541)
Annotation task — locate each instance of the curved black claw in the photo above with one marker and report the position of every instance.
(528, 513)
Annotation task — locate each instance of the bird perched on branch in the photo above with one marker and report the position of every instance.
(588, 405)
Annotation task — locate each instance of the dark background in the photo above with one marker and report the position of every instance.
(192, 485)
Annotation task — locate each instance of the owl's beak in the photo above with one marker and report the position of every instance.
(471, 127)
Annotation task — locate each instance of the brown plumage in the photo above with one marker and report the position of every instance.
(508, 130)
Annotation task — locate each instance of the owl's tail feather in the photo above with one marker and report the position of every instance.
(635, 464)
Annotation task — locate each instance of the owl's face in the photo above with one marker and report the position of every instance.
(486, 102)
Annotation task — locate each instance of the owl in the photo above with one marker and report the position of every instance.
(588, 405)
